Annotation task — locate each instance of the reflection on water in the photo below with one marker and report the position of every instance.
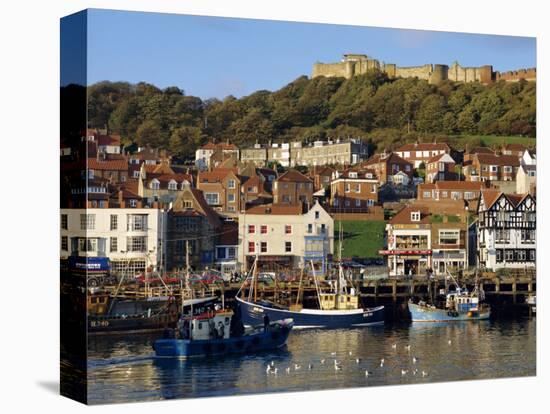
(123, 369)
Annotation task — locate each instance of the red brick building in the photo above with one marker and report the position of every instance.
(422, 152)
(487, 167)
(385, 166)
(354, 189)
(293, 187)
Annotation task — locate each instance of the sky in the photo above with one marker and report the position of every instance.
(215, 57)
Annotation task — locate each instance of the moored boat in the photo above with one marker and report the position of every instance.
(457, 305)
(210, 334)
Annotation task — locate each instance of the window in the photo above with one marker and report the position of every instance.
(499, 256)
(231, 253)
(212, 198)
(427, 194)
(133, 203)
(310, 228)
(172, 185)
(507, 169)
(252, 189)
(352, 175)
(415, 216)
(494, 168)
(469, 195)
(347, 203)
(114, 222)
(449, 236)
(136, 222)
(358, 188)
(532, 255)
(87, 221)
(370, 202)
(286, 198)
(288, 247)
(263, 247)
(64, 222)
(288, 229)
(509, 255)
(123, 178)
(136, 174)
(373, 189)
(113, 244)
(221, 253)
(251, 229)
(357, 202)
(87, 245)
(251, 248)
(155, 185)
(64, 243)
(347, 188)
(263, 229)
(231, 198)
(317, 214)
(231, 184)
(136, 244)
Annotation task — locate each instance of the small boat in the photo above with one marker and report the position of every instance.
(210, 334)
(338, 308)
(110, 315)
(458, 305)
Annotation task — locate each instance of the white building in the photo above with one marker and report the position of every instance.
(284, 236)
(130, 237)
(526, 178)
(507, 230)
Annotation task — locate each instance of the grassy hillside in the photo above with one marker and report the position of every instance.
(361, 238)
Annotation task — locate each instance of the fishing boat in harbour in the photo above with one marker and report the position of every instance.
(337, 308)
(211, 334)
(456, 305)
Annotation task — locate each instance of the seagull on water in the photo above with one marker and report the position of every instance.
(297, 367)
(394, 346)
(404, 372)
(287, 370)
(310, 367)
(357, 360)
(268, 369)
(408, 347)
(350, 353)
(333, 353)
(424, 374)
(450, 342)
(414, 360)
(381, 362)
(275, 371)
(323, 361)
(337, 367)
(367, 373)
(272, 363)
(415, 371)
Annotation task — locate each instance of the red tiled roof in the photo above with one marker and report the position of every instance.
(490, 196)
(515, 147)
(276, 209)
(404, 216)
(108, 165)
(294, 176)
(460, 185)
(424, 146)
(214, 176)
(392, 157)
(481, 150)
(489, 159)
(108, 140)
(436, 158)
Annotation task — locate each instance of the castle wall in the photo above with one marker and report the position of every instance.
(355, 64)
(340, 69)
(516, 75)
(420, 72)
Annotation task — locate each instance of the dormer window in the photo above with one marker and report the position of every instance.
(368, 175)
(172, 185)
(352, 175)
(155, 184)
(415, 216)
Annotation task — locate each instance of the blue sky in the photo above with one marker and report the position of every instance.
(215, 57)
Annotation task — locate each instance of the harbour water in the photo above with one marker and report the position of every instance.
(122, 368)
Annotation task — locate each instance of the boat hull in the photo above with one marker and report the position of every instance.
(426, 314)
(262, 340)
(252, 314)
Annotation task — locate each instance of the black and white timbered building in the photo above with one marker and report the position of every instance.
(506, 230)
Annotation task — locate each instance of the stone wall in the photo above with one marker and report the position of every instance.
(354, 64)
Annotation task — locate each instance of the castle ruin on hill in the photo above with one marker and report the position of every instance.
(357, 64)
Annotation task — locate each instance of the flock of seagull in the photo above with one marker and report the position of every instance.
(271, 369)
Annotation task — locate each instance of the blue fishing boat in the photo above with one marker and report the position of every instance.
(456, 305)
(338, 308)
(210, 334)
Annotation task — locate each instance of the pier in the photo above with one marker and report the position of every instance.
(503, 293)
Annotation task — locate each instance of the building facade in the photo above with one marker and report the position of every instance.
(293, 187)
(422, 152)
(285, 236)
(131, 238)
(353, 190)
(507, 230)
